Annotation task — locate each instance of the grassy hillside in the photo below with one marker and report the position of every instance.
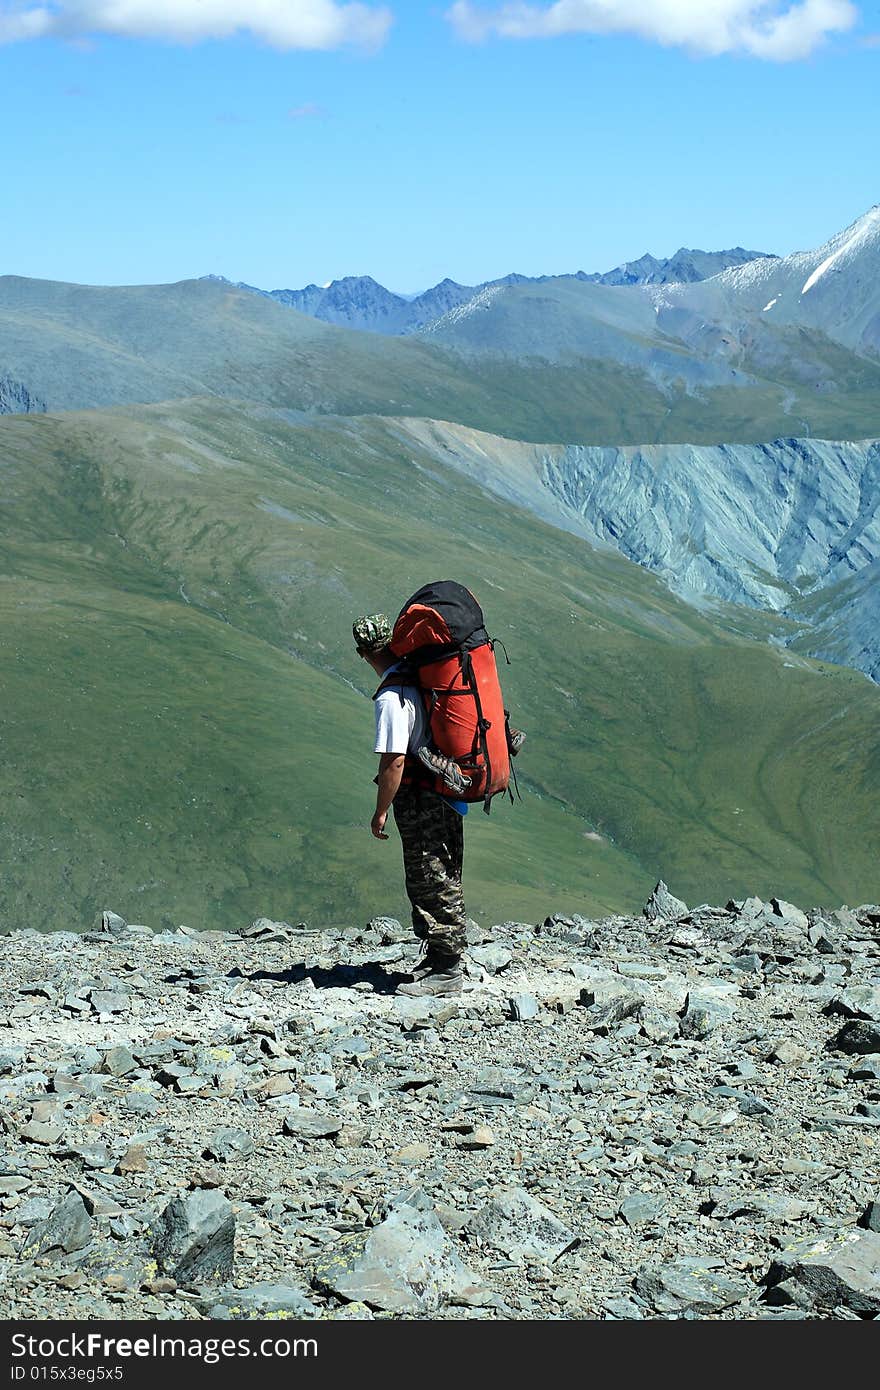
(186, 731)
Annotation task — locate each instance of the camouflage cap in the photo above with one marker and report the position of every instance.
(371, 633)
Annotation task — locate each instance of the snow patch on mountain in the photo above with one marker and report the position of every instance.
(864, 229)
(480, 301)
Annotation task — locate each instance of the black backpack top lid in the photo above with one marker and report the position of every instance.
(456, 607)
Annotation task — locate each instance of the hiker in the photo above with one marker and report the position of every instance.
(430, 824)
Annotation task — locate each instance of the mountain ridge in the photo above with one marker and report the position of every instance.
(359, 301)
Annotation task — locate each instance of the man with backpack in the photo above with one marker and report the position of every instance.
(442, 733)
(430, 824)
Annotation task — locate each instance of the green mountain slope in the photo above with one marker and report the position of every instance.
(186, 732)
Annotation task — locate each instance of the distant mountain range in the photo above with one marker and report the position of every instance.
(358, 301)
(773, 347)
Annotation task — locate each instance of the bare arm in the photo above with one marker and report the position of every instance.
(390, 774)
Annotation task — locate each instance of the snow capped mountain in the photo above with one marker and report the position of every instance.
(684, 267)
(834, 289)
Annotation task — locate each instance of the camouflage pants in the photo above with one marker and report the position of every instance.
(432, 835)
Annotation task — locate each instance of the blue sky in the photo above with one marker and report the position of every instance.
(411, 143)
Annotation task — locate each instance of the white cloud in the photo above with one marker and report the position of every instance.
(771, 29)
(314, 24)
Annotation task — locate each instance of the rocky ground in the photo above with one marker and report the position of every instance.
(669, 1116)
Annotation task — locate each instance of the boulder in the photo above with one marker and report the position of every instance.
(663, 906)
(691, 1283)
(405, 1264)
(521, 1227)
(836, 1270)
(68, 1227)
(194, 1238)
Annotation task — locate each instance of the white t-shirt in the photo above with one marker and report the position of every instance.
(401, 726)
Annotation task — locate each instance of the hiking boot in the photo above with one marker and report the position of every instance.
(441, 977)
(516, 741)
(426, 962)
(444, 767)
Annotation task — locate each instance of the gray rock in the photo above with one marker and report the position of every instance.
(769, 1206)
(90, 1155)
(266, 1300)
(267, 931)
(523, 1007)
(308, 1124)
(788, 1053)
(110, 1001)
(320, 1084)
(641, 970)
(702, 1014)
(128, 1268)
(12, 1184)
(820, 938)
(868, 914)
(68, 1227)
(706, 1117)
(34, 1210)
(790, 914)
(194, 1238)
(41, 1132)
(858, 1001)
(658, 1025)
(749, 964)
(140, 1103)
(111, 922)
(118, 1061)
(641, 1208)
(618, 1006)
(389, 930)
(662, 906)
(11, 1059)
(229, 1144)
(690, 1283)
(622, 1310)
(98, 1203)
(492, 957)
(517, 1224)
(600, 985)
(841, 1269)
(749, 909)
(748, 1104)
(870, 1217)
(405, 1264)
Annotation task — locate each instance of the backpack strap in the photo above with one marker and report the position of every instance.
(403, 676)
(406, 678)
(483, 725)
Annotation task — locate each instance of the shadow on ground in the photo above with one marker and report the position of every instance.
(336, 977)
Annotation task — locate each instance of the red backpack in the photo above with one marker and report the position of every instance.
(441, 636)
